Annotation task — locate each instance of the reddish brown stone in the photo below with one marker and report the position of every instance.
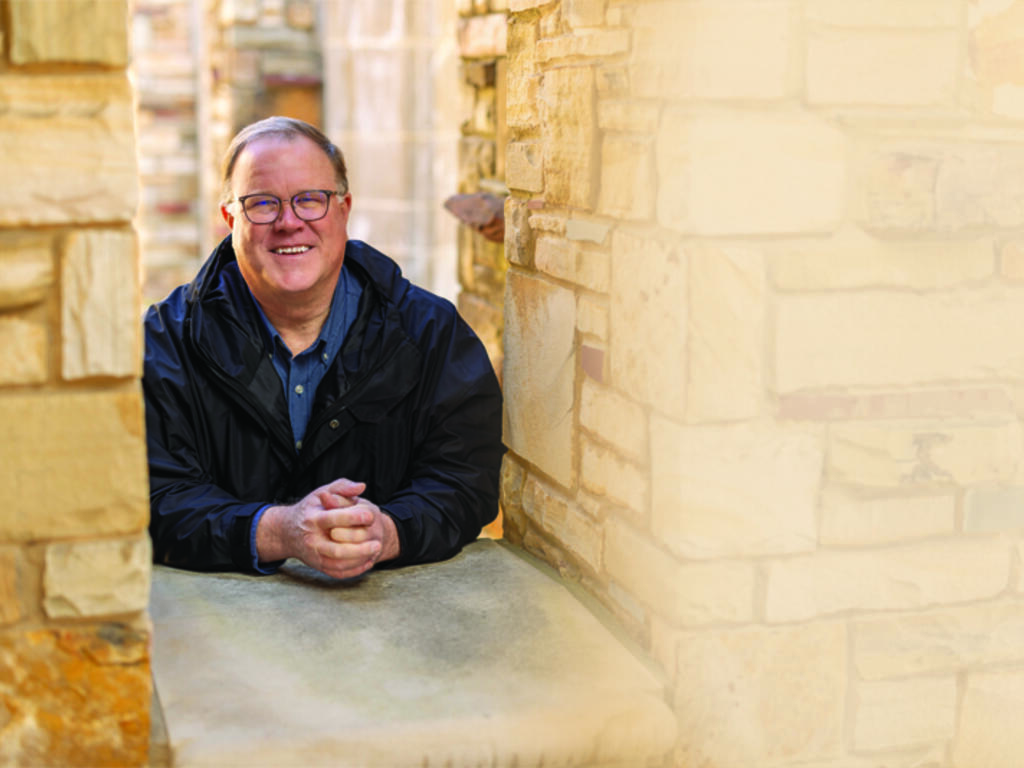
(75, 696)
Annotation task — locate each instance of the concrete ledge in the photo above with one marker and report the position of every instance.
(483, 660)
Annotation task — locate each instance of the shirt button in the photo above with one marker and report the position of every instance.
(298, 389)
(325, 357)
(333, 424)
(298, 445)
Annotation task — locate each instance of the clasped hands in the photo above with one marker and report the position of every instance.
(332, 529)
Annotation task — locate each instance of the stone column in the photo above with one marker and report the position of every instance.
(74, 552)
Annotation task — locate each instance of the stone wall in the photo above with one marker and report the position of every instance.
(763, 372)
(74, 552)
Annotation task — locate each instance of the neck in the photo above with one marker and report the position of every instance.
(298, 322)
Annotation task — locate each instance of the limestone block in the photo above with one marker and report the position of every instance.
(749, 173)
(761, 696)
(904, 713)
(883, 67)
(24, 350)
(95, 578)
(592, 317)
(26, 269)
(524, 166)
(994, 509)
(605, 473)
(590, 230)
(1011, 258)
(995, 28)
(69, 140)
(969, 401)
(628, 178)
(100, 305)
(684, 594)
(628, 116)
(725, 334)
(570, 148)
(734, 50)
(75, 696)
(590, 43)
(886, 338)
(522, 81)
(10, 600)
(614, 418)
(76, 460)
(852, 520)
(700, 510)
(939, 641)
(518, 6)
(648, 311)
(482, 36)
(885, 13)
(519, 237)
(904, 578)
(898, 188)
(989, 735)
(980, 186)
(853, 259)
(79, 31)
(575, 531)
(568, 260)
(924, 454)
(539, 373)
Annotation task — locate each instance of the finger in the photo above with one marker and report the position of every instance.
(350, 534)
(345, 487)
(330, 500)
(346, 554)
(348, 572)
(353, 516)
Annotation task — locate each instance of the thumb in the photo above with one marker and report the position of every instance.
(345, 487)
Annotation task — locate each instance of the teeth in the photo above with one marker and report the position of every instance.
(296, 249)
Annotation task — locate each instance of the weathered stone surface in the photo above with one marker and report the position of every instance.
(761, 696)
(994, 509)
(70, 142)
(540, 366)
(648, 311)
(980, 186)
(576, 531)
(734, 50)
(628, 116)
(852, 520)
(884, 13)
(971, 401)
(700, 510)
(725, 334)
(79, 31)
(76, 460)
(749, 173)
(896, 714)
(628, 178)
(519, 236)
(100, 305)
(482, 36)
(75, 697)
(10, 600)
(904, 578)
(592, 317)
(684, 594)
(96, 578)
(881, 338)
(589, 43)
(606, 473)
(570, 147)
(614, 418)
(26, 269)
(522, 81)
(524, 166)
(925, 454)
(989, 735)
(939, 641)
(995, 28)
(24, 350)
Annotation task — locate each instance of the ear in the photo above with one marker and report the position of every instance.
(227, 216)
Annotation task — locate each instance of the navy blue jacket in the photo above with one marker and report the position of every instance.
(410, 406)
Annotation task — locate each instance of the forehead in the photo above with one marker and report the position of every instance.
(291, 161)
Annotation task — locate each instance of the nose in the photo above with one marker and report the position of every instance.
(287, 219)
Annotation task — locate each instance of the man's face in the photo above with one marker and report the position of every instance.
(290, 260)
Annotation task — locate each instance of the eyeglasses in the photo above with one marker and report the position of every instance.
(309, 205)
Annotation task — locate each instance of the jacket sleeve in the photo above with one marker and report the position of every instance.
(194, 523)
(454, 474)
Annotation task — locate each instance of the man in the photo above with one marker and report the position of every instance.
(303, 399)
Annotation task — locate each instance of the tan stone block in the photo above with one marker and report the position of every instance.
(891, 715)
(26, 269)
(979, 185)
(994, 509)
(584, 43)
(592, 317)
(69, 140)
(853, 259)
(10, 598)
(939, 641)
(971, 401)
(726, 334)
(648, 311)
(100, 305)
(72, 464)
(524, 166)
(628, 116)
(24, 350)
(556, 257)
(614, 418)
(887, 67)
(684, 594)
(1011, 259)
(482, 36)
(96, 578)
(885, 338)
(588, 230)
(523, 81)
(885, 13)
(569, 121)
(80, 31)
(734, 50)
(585, 13)
(576, 532)
(606, 473)
(897, 188)
(904, 578)
(518, 6)
(628, 178)
(850, 520)
(519, 235)
(700, 510)
(539, 373)
(750, 173)
(76, 696)
(755, 697)
(926, 454)
(989, 733)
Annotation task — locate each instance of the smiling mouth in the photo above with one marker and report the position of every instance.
(291, 250)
